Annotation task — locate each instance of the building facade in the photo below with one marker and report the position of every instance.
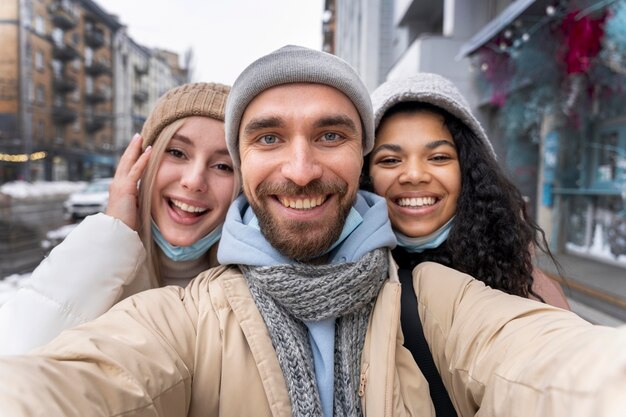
(64, 114)
(547, 79)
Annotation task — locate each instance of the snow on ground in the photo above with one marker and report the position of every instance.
(23, 189)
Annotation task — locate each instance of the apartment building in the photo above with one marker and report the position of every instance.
(73, 89)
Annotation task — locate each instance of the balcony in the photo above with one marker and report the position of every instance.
(95, 122)
(96, 96)
(64, 83)
(141, 69)
(61, 114)
(98, 67)
(62, 17)
(140, 96)
(63, 52)
(94, 38)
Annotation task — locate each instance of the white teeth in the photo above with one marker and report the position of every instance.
(302, 203)
(416, 201)
(186, 207)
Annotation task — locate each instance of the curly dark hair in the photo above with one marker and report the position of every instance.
(493, 236)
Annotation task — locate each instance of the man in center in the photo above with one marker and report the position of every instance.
(300, 163)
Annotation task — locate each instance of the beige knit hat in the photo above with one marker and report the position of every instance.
(195, 99)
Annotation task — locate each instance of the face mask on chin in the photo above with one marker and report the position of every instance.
(185, 253)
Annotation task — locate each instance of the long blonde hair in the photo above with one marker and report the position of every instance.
(145, 193)
(146, 188)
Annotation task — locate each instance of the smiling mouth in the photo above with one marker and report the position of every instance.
(302, 203)
(416, 201)
(196, 211)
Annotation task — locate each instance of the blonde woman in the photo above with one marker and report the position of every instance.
(167, 203)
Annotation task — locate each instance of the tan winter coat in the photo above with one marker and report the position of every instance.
(205, 351)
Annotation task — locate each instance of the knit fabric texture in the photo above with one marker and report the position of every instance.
(194, 99)
(427, 88)
(296, 64)
(287, 295)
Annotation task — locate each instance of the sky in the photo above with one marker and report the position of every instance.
(225, 35)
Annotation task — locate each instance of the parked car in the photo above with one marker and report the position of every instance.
(91, 200)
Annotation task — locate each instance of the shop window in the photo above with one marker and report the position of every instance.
(608, 158)
(595, 226)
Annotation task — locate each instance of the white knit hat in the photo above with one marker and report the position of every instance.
(296, 64)
(427, 88)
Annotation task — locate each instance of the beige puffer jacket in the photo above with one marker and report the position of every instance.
(205, 351)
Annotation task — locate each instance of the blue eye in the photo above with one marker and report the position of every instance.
(331, 137)
(269, 139)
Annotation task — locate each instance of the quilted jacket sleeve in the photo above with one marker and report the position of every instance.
(80, 279)
(137, 359)
(502, 355)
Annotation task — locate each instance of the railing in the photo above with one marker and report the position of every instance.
(64, 83)
(94, 38)
(62, 17)
(62, 114)
(98, 67)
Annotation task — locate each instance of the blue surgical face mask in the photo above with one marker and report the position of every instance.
(431, 241)
(185, 253)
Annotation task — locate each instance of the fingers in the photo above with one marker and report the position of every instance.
(130, 156)
(138, 167)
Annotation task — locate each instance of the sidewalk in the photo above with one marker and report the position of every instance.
(595, 284)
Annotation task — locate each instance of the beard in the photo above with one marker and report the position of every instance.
(302, 240)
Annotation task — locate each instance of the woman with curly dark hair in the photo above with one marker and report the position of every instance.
(448, 200)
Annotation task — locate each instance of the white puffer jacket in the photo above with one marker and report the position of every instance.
(101, 261)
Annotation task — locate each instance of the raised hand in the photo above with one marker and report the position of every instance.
(123, 192)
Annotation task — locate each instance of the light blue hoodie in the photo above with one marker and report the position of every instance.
(367, 228)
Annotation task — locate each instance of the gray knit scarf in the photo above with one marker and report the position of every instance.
(287, 295)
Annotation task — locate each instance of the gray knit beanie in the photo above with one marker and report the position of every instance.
(296, 64)
(427, 88)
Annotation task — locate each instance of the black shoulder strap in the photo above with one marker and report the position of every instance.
(415, 341)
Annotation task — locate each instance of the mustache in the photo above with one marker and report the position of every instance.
(288, 188)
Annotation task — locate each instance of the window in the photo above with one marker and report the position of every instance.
(39, 60)
(88, 56)
(608, 158)
(41, 94)
(40, 25)
(57, 67)
(57, 36)
(76, 125)
(58, 134)
(76, 64)
(76, 95)
(89, 85)
(30, 91)
(41, 130)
